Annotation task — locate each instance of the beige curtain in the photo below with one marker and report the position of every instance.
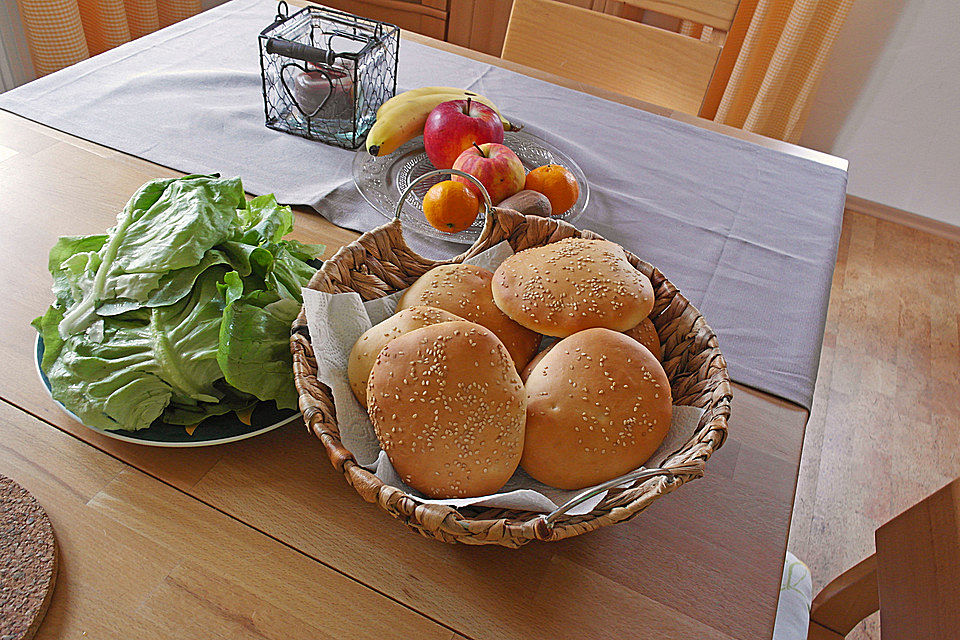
(62, 32)
(785, 46)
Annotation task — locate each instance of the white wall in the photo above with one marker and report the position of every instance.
(890, 103)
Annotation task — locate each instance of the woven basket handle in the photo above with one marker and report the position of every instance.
(694, 468)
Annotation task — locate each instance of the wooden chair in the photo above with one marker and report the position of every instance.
(629, 57)
(913, 578)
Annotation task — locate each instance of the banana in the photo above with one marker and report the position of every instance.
(392, 130)
(403, 116)
(416, 93)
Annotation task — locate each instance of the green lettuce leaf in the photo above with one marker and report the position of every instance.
(181, 311)
(264, 220)
(254, 352)
(303, 251)
(187, 338)
(52, 342)
(186, 412)
(73, 262)
(167, 225)
(144, 359)
(111, 384)
(191, 215)
(174, 285)
(274, 268)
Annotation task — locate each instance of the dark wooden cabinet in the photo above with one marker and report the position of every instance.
(476, 24)
(428, 17)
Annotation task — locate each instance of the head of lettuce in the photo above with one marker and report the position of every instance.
(181, 311)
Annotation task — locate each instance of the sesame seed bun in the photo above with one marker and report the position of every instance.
(646, 334)
(448, 408)
(368, 346)
(536, 360)
(598, 406)
(464, 290)
(571, 285)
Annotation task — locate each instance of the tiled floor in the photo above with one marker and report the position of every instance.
(884, 431)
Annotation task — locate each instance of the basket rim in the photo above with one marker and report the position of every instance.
(473, 525)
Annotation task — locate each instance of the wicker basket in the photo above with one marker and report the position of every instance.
(379, 263)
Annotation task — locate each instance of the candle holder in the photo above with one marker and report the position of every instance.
(326, 72)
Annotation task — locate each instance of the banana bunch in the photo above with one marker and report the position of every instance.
(403, 116)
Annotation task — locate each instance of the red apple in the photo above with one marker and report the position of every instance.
(497, 168)
(453, 126)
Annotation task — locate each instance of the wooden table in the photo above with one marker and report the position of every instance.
(262, 538)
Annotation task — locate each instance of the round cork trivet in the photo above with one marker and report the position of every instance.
(28, 562)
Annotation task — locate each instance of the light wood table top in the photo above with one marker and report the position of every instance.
(263, 538)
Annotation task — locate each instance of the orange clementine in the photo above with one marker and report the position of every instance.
(450, 206)
(557, 183)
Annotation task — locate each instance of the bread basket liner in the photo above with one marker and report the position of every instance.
(379, 263)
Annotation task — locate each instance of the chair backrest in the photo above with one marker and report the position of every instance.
(913, 578)
(713, 13)
(612, 53)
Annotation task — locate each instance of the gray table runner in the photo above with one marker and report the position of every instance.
(748, 234)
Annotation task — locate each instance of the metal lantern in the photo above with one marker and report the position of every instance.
(326, 72)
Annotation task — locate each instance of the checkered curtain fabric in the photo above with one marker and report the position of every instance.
(62, 32)
(777, 71)
(777, 50)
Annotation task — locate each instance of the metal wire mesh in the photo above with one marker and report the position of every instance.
(325, 73)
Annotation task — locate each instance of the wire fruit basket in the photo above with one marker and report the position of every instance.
(325, 73)
(379, 263)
